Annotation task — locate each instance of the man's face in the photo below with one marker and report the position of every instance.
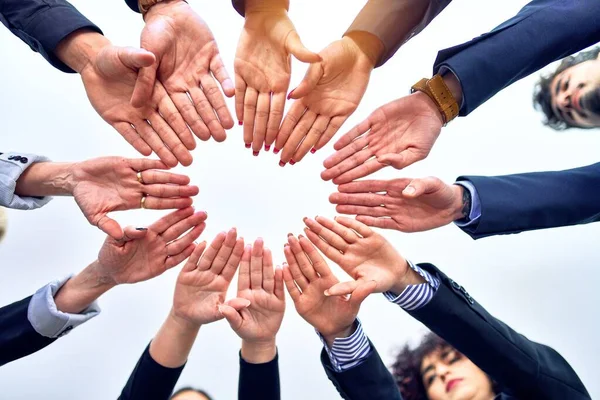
(576, 94)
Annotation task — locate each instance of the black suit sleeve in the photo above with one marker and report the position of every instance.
(370, 380)
(17, 336)
(259, 381)
(528, 370)
(150, 380)
(42, 24)
(538, 200)
(133, 4)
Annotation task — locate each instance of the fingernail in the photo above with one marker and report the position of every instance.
(240, 123)
(267, 148)
(247, 303)
(304, 219)
(313, 150)
(220, 310)
(289, 96)
(281, 164)
(248, 145)
(409, 190)
(289, 234)
(300, 236)
(255, 153)
(276, 150)
(141, 229)
(326, 293)
(292, 162)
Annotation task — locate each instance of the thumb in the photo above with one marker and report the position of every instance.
(132, 233)
(418, 187)
(294, 46)
(232, 316)
(342, 288)
(362, 291)
(110, 227)
(310, 81)
(395, 160)
(135, 58)
(144, 86)
(238, 303)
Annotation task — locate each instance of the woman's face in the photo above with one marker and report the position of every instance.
(448, 375)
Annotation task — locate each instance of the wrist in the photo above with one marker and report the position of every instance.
(259, 351)
(369, 45)
(343, 333)
(46, 179)
(79, 49)
(149, 8)
(257, 6)
(461, 206)
(182, 323)
(409, 277)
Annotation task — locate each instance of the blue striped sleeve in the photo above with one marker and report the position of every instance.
(415, 296)
(350, 351)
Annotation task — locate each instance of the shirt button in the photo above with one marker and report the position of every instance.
(67, 330)
(24, 160)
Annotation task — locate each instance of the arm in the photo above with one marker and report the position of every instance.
(528, 369)
(12, 168)
(505, 61)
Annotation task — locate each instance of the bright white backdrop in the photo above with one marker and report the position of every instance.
(542, 283)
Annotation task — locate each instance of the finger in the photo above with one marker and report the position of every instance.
(327, 234)
(374, 211)
(184, 225)
(290, 285)
(330, 252)
(418, 187)
(170, 138)
(312, 137)
(173, 117)
(354, 225)
(232, 316)
(335, 163)
(369, 186)
(131, 233)
(192, 262)
(217, 102)
(355, 160)
(250, 100)
(234, 260)
(268, 282)
(256, 264)
(244, 274)
(352, 134)
(294, 46)
(144, 86)
(309, 82)
(292, 118)
(168, 191)
(334, 126)
(342, 231)
(178, 245)
(133, 138)
(402, 160)
(260, 121)
(160, 177)
(342, 288)
(358, 199)
(211, 252)
(135, 58)
(294, 268)
(383, 223)
(110, 227)
(238, 303)
(157, 203)
(207, 113)
(186, 107)
(359, 171)
(303, 262)
(240, 93)
(150, 136)
(224, 252)
(275, 117)
(177, 259)
(220, 72)
(278, 290)
(169, 220)
(318, 262)
(143, 164)
(297, 136)
(363, 290)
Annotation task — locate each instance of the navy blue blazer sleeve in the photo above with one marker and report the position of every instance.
(259, 381)
(42, 24)
(526, 369)
(537, 200)
(150, 380)
(542, 32)
(369, 380)
(133, 4)
(17, 336)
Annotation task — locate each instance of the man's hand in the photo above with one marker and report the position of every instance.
(329, 93)
(362, 253)
(402, 204)
(262, 70)
(307, 277)
(187, 64)
(399, 134)
(262, 286)
(146, 253)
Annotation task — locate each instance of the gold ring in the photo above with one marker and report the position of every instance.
(143, 202)
(139, 177)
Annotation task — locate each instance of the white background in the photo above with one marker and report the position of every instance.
(541, 283)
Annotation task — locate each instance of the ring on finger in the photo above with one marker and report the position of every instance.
(139, 177)
(143, 202)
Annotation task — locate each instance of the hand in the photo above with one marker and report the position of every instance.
(362, 253)
(402, 204)
(202, 284)
(262, 71)
(307, 277)
(327, 96)
(399, 134)
(187, 62)
(107, 184)
(146, 253)
(259, 283)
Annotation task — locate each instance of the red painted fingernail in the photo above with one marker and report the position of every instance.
(255, 153)
(281, 164)
(240, 123)
(248, 145)
(313, 150)
(292, 162)
(276, 150)
(289, 96)
(267, 148)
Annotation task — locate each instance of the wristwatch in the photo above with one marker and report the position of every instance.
(438, 91)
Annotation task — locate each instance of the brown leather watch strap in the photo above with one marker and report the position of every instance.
(144, 5)
(441, 95)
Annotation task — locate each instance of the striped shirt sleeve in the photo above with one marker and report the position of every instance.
(415, 296)
(350, 351)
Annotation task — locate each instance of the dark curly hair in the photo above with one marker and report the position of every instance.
(191, 389)
(542, 92)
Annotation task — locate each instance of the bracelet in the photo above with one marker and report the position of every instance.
(438, 91)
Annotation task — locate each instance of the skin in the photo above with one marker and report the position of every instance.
(189, 395)
(571, 85)
(448, 375)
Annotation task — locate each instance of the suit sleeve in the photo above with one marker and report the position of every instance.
(369, 380)
(133, 4)
(259, 381)
(18, 338)
(526, 369)
(150, 380)
(42, 24)
(544, 31)
(538, 200)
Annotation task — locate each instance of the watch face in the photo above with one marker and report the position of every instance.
(3, 222)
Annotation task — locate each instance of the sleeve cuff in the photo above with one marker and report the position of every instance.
(415, 296)
(475, 212)
(47, 320)
(350, 351)
(12, 165)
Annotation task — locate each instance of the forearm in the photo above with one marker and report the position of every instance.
(259, 352)
(79, 48)
(46, 179)
(82, 290)
(172, 344)
(253, 6)
(369, 44)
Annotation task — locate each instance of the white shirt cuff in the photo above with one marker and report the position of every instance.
(475, 212)
(12, 166)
